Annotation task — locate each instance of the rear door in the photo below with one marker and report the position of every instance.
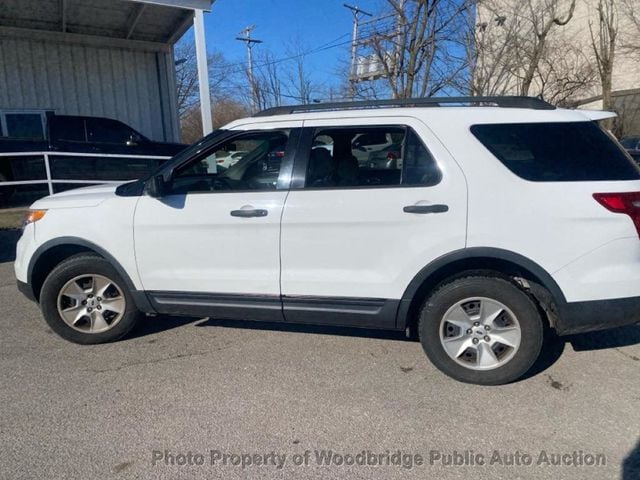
(355, 234)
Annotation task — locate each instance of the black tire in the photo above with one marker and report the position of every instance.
(77, 265)
(494, 288)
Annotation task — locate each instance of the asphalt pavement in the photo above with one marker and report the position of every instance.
(211, 398)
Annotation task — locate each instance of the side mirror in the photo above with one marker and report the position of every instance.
(156, 186)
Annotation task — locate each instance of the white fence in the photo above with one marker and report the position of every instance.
(50, 180)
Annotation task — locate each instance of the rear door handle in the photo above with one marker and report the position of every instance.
(249, 212)
(437, 208)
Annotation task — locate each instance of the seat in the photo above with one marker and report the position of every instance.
(320, 169)
(347, 171)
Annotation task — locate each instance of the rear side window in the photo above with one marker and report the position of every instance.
(557, 152)
(369, 157)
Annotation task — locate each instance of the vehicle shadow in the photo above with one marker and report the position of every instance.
(554, 345)
(8, 240)
(153, 325)
(631, 464)
(582, 342)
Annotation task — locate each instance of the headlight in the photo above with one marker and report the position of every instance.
(32, 216)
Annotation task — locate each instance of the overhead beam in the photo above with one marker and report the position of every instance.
(76, 38)
(184, 25)
(188, 4)
(135, 18)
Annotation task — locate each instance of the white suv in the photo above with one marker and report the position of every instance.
(505, 217)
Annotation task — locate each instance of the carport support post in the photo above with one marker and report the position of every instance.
(203, 72)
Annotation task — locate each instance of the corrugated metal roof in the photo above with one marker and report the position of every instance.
(145, 20)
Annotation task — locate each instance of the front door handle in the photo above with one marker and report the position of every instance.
(249, 212)
(437, 208)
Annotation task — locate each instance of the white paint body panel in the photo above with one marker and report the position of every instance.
(93, 214)
(359, 242)
(191, 243)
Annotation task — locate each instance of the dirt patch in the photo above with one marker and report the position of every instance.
(11, 217)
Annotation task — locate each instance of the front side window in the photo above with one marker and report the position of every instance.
(250, 161)
(348, 157)
(557, 152)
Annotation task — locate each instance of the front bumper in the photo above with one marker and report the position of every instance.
(26, 290)
(581, 317)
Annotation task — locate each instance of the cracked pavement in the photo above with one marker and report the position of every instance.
(180, 386)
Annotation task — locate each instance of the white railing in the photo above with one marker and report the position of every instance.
(49, 181)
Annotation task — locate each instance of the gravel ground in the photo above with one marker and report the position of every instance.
(210, 391)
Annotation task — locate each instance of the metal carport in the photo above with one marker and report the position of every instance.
(110, 58)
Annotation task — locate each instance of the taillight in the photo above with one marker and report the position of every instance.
(622, 202)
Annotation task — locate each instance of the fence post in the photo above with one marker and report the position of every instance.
(48, 170)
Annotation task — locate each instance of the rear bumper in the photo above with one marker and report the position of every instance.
(581, 317)
(26, 290)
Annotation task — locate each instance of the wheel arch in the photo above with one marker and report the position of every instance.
(541, 285)
(51, 253)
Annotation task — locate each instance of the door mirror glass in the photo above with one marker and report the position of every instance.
(133, 140)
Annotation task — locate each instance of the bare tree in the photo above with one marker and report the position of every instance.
(268, 81)
(225, 110)
(299, 85)
(519, 47)
(220, 76)
(630, 40)
(491, 43)
(604, 39)
(565, 74)
(415, 52)
(543, 20)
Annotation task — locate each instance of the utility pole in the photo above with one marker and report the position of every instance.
(354, 43)
(250, 42)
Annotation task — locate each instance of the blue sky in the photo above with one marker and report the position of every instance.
(313, 23)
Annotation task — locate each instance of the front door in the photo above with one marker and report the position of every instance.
(211, 245)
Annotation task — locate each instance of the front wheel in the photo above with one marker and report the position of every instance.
(482, 330)
(85, 300)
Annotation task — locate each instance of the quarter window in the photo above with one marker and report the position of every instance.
(557, 152)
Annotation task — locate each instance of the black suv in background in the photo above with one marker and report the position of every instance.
(69, 133)
(108, 144)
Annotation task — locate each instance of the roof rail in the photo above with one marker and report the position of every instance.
(504, 102)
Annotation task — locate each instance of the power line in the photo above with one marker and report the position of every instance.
(321, 48)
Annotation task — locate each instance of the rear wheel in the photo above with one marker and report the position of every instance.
(85, 300)
(481, 329)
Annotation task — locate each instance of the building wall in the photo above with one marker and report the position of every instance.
(575, 35)
(133, 85)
